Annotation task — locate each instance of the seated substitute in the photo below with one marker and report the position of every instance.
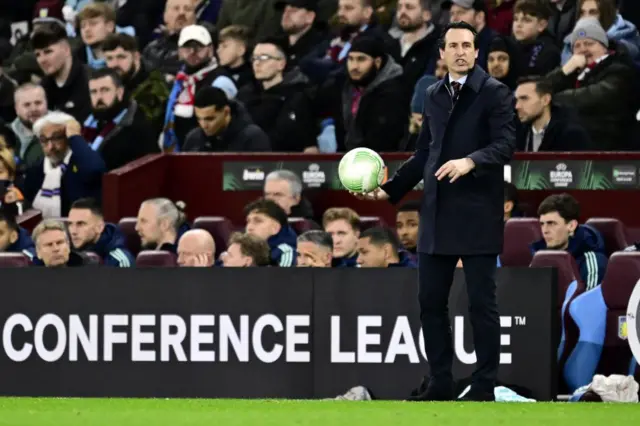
(267, 220)
(315, 249)
(380, 248)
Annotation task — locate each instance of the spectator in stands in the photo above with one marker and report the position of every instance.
(245, 250)
(224, 126)
(69, 170)
(380, 248)
(7, 90)
(65, 82)
(285, 188)
(315, 249)
(196, 249)
(563, 18)
(363, 118)
(546, 126)
(474, 13)
(441, 70)
(343, 224)
(503, 61)
(407, 220)
(162, 53)
(559, 214)
(11, 198)
(161, 223)
(200, 70)
(31, 104)
(599, 82)
(500, 16)
(117, 128)
(90, 233)
(95, 21)
(278, 102)
(538, 51)
(267, 220)
(52, 246)
(261, 16)
(510, 201)
(618, 28)
(233, 52)
(144, 85)
(417, 113)
(13, 238)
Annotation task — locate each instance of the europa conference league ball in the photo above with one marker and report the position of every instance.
(361, 170)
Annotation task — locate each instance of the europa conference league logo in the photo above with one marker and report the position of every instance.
(633, 314)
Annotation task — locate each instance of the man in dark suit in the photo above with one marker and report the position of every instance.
(467, 137)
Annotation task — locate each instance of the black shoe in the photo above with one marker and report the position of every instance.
(479, 395)
(440, 392)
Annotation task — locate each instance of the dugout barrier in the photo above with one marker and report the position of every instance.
(249, 333)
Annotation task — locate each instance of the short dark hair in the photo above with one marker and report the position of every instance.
(209, 96)
(115, 40)
(88, 204)
(47, 34)
(459, 25)
(281, 43)
(381, 235)
(96, 74)
(317, 237)
(10, 220)
(567, 207)
(511, 194)
(410, 206)
(268, 208)
(543, 86)
(252, 246)
(536, 8)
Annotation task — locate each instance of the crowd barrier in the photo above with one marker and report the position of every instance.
(222, 184)
(277, 333)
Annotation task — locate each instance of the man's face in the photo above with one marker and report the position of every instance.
(53, 248)
(360, 65)
(261, 225)
(371, 255)
(441, 69)
(529, 104)
(7, 236)
(53, 140)
(311, 255)
(267, 62)
(233, 257)
(194, 53)
(52, 58)
(459, 51)
(212, 120)
(407, 228)
(589, 9)
(591, 49)
(85, 228)
(498, 64)
(190, 249)
(230, 51)
(459, 13)
(556, 231)
(121, 61)
(148, 226)
(279, 190)
(178, 14)
(95, 30)
(104, 93)
(527, 27)
(352, 13)
(5, 172)
(31, 104)
(345, 238)
(296, 19)
(410, 15)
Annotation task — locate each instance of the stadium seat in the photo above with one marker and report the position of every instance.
(519, 234)
(155, 259)
(623, 272)
(220, 229)
(127, 226)
(613, 232)
(13, 260)
(302, 225)
(367, 222)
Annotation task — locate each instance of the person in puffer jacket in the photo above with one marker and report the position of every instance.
(89, 233)
(267, 220)
(559, 215)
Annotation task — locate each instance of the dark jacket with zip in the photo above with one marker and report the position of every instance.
(73, 97)
(563, 133)
(415, 62)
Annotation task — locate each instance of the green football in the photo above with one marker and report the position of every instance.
(361, 170)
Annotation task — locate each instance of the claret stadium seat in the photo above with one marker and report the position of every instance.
(519, 234)
(127, 226)
(613, 232)
(13, 260)
(367, 222)
(155, 259)
(301, 225)
(220, 229)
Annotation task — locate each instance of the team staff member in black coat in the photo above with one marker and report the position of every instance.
(467, 136)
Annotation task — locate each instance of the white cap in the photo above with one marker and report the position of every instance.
(195, 32)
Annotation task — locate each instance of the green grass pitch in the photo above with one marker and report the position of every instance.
(178, 412)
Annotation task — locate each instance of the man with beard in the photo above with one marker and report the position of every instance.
(160, 224)
(90, 233)
(96, 21)
(31, 104)
(373, 106)
(200, 70)
(144, 85)
(117, 128)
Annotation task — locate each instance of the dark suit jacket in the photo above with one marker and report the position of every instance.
(464, 217)
(563, 133)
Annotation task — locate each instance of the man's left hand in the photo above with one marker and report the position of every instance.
(455, 169)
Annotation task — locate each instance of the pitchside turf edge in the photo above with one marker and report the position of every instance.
(176, 412)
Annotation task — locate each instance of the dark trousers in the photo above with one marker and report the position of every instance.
(435, 275)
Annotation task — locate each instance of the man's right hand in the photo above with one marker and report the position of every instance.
(575, 63)
(377, 194)
(72, 128)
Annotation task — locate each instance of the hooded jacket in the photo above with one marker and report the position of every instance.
(587, 248)
(406, 261)
(30, 148)
(24, 244)
(112, 248)
(283, 247)
(73, 97)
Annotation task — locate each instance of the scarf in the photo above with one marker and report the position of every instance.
(180, 103)
(48, 199)
(90, 129)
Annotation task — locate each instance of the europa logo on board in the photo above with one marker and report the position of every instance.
(561, 177)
